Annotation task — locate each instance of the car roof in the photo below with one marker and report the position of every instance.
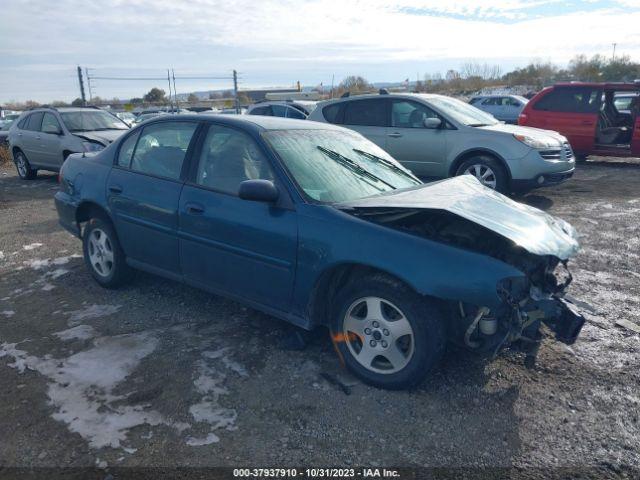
(630, 86)
(257, 122)
(422, 96)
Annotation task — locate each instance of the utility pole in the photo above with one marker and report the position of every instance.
(81, 82)
(175, 97)
(235, 91)
(169, 82)
(86, 73)
(613, 57)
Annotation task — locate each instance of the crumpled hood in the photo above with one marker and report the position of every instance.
(104, 137)
(537, 133)
(530, 228)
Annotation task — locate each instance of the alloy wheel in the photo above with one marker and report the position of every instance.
(21, 165)
(484, 174)
(378, 335)
(101, 252)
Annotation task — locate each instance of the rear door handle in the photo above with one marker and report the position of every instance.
(194, 208)
(394, 135)
(115, 189)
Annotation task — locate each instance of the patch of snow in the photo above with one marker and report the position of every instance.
(32, 246)
(1, 255)
(40, 263)
(47, 287)
(198, 442)
(92, 311)
(8, 313)
(81, 332)
(80, 386)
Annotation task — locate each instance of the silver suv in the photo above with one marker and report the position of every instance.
(437, 136)
(41, 139)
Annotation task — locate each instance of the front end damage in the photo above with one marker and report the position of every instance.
(533, 242)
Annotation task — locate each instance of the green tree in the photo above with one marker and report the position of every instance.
(193, 98)
(355, 84)
(77, 102)
(155, 95)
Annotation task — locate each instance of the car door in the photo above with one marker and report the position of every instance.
(242, 248)
(491, 106)
(512, 108)
(143, 192)
(635, 140)
(29, 138)
(50, 141)
(370, 117)
(422, 150)
(571, 111)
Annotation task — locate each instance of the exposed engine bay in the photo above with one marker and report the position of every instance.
(540, 299)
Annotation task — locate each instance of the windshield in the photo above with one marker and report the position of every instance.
(335, 166)
(462, 112)
(91, 121)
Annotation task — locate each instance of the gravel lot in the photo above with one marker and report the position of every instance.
(161, 374)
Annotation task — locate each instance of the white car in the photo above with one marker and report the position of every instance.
(299, 109)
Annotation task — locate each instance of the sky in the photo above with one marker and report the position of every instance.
(279, 42)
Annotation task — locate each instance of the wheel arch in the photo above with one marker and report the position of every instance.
(331, 281)
(478, 151)
(89, 209)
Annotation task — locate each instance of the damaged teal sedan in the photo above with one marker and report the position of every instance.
(318, 226)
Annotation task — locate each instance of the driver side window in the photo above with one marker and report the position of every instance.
(407, 114)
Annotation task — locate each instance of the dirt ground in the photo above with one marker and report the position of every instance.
(160, 374)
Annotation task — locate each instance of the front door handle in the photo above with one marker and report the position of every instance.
(117, 189)
(194, 208)
(394, 135)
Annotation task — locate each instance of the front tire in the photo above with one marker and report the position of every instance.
(103, 255)
(388, 335)
(24, 168)
(488, 170)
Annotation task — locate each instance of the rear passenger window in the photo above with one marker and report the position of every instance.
(35, 121)
(331, 113)
(573, 100)
(279, 110)
(162, 148)
(266, 110)
(126, 150)
(228, 158)
(366, 113)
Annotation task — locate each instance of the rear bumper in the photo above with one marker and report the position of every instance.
(66, 207)
(542, 180)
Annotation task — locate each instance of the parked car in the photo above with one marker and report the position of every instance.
(505, 108)
(316, 225)
(4, 133)
(142, 117)
(587, 114)
(299, 109)
(127, 117)
(437, 136)
(42, 138)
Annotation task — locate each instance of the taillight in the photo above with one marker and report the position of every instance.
(522, 118)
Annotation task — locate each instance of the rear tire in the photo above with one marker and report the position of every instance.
(388, 335)
(24, 167)
(103, 255)
(488, 170)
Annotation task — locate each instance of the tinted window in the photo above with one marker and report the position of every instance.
(407, 114)
(266, 110)
(366, 112)
(50, 124)
(34, 122)
(23, 123)
(575, 100)
(162, 148)
(228, 158)
(126, 150)
(331, 112)
(295, 113)
(279, 110)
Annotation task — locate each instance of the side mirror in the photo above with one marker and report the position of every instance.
(432, 123)
(258, 191)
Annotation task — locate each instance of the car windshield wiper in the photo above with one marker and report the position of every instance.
(352, 165)
(385, 162)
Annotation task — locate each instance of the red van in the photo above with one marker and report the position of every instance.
(597, 118)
